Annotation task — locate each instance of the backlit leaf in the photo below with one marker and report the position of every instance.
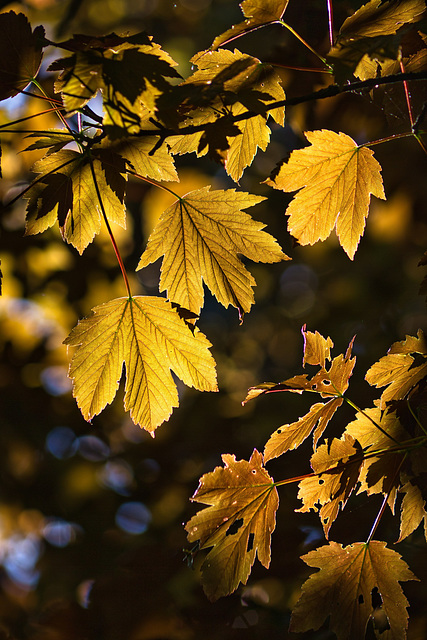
(337, 465)
(413, 511)
(381, 473)
(371, 32)
(148, 336)
(200, 236)
(256, 12)
(238, 524)
(343, 589)
(231, 83)
(70, 189)
(329, 383)
(146, 158)
(401, 369)
(20, 53)
(336, 178)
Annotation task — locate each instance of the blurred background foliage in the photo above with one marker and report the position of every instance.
(91, 535)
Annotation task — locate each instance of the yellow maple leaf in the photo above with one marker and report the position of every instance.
(244, 84)
(148, 335)
(343, 589)
(200, 236)
(336, 178)
(256, 12)
(238, 524)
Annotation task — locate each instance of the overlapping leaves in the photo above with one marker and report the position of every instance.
(149, 337)
(225, 86)
(336, 178)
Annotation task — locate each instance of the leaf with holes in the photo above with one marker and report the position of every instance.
(237, 525)
(336, 178)
(149, 337)
(344, 586)
(200, 237)
(329, 383)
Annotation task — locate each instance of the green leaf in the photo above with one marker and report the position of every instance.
(238, 524)
(336, 178)
(200, 236)
(343, 589)
(20, 53)
(256, 12)
(149, 337)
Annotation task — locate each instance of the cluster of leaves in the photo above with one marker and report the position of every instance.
(149, 116)
(381, 452)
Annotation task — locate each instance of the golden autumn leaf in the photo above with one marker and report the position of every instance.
(73, 188)
(200, 237)
(238, 523)
(337, 467)
(329, 383)
(256, 12)
(412, 510)
(343, 589)
(336, 178)
(380, 431)
(243, 83)
(147, 335)
(401, 369)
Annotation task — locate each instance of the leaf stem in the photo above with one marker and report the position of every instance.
(384, 504)
(330, 22)
(154, 183)
(54, 104)
(301, 39)
(366, 415)
(34, 115)
(110, 232)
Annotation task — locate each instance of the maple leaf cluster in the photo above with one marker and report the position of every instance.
(227, 109)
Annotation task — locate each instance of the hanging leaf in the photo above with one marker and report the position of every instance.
(257, 13)
(401, 369)
(238, 524)
(20, 53)
(226, 85)
(382, 432)
(343, 589)
(412, 511)
(71, 188)
(337, 466)
(200, 236)
(149, 337)
(329, 383)
(146, 158)
(336, 178)
(374, 31)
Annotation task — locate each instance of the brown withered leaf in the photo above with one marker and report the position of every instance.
(343, 589)
(237, 525)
